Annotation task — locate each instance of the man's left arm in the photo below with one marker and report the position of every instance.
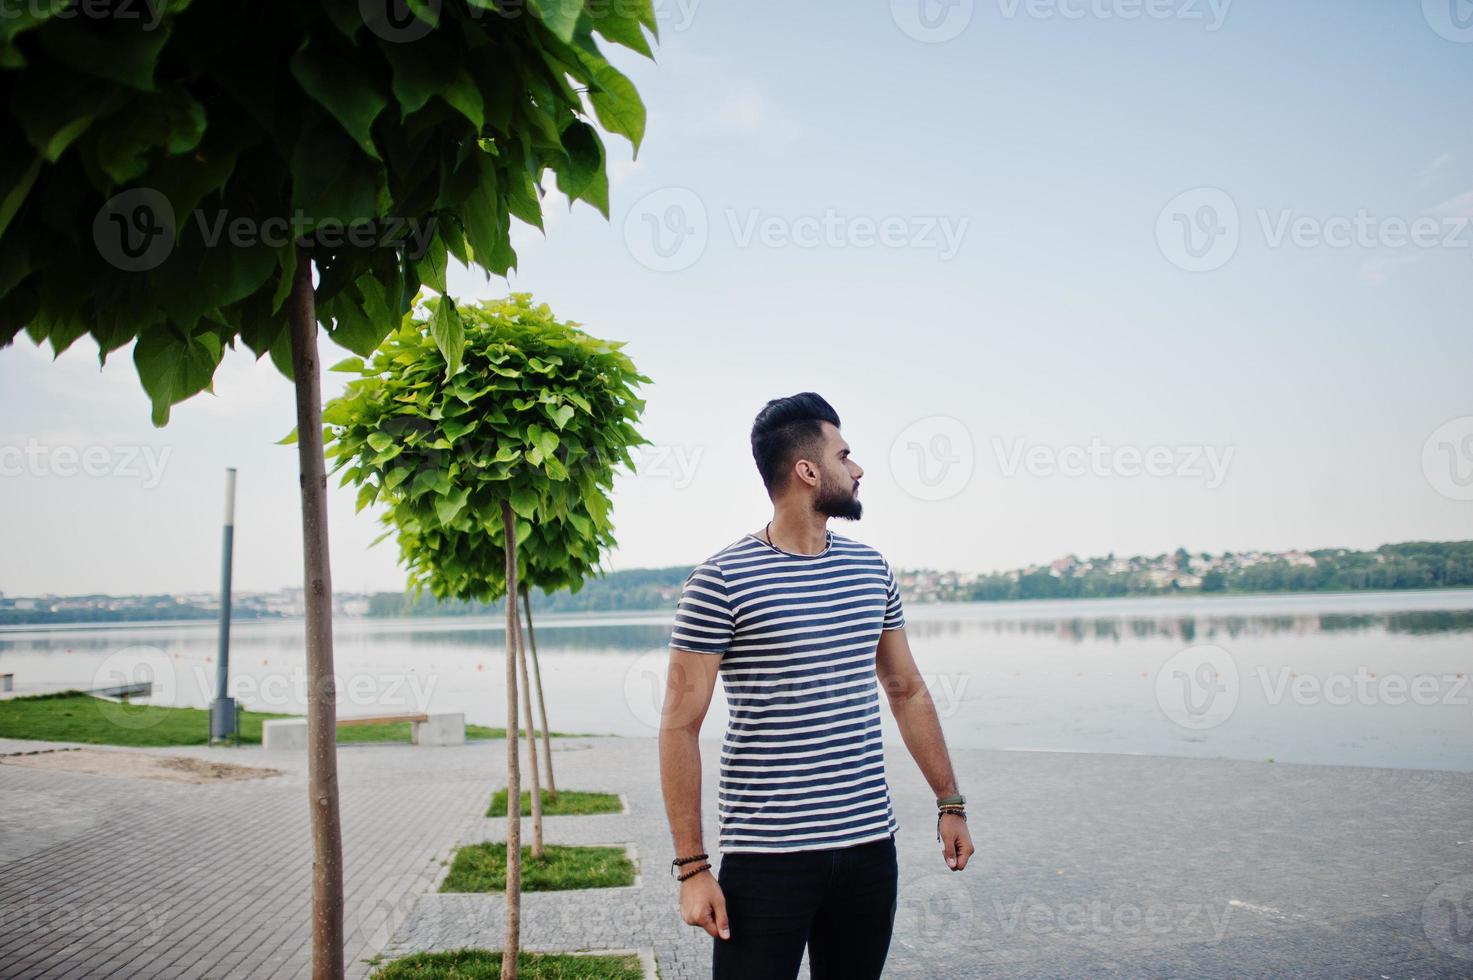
(915, 714)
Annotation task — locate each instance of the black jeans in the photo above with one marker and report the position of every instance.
(840, 902)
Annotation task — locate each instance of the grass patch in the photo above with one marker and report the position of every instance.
(482, 868)
(485, 964)
(567, 803)
(72, 716)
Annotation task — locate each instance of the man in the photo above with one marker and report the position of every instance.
(801, 623)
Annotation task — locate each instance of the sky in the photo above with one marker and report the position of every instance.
(1079, 276)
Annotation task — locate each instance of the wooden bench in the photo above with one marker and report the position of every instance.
(290, 734)
(379, 720)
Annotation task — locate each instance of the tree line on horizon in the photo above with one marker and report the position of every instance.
(1392, 567)
(1409, 565)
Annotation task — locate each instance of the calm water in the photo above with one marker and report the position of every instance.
(1380, 679)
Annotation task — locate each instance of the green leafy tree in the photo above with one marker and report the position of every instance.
(214, 172)
(507, 448)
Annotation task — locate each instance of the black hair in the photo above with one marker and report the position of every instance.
(786, 429)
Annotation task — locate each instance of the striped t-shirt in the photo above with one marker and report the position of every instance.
(802, 766)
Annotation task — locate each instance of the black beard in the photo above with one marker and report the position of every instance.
(842, 504)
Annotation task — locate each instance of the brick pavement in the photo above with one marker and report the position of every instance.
(1090, 865)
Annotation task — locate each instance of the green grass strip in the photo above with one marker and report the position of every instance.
(484, 964)
(567, 803)
(482, 868)
(71, 716)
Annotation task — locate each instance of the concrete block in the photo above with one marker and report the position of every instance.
(284, 734)
(439, 730)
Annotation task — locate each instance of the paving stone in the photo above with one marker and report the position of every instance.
(1089, 865)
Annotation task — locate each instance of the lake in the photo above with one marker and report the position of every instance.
(1371, 679)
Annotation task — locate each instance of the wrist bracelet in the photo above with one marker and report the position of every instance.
(955, 811)
(693, 872)
(686, 860)
(952, 801)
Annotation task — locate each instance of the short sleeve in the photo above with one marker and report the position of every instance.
(894, 612)
(703, 620)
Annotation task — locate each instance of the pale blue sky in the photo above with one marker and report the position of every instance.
(1316, 374)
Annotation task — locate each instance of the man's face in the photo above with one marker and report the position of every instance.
(838, 483)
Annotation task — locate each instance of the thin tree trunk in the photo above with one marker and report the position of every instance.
(536, 793)
(322, 760)
(541, 704)
(513, 944)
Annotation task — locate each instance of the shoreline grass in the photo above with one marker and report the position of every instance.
(482, 868)
(567, 803)
(75, 716)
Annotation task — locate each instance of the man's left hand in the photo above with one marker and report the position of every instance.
(956, 843)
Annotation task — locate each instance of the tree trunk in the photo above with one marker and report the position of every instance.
(536, 793)
(513, 944)
(541, 704)
(322, 760)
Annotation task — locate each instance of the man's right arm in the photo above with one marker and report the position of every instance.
(688, 689)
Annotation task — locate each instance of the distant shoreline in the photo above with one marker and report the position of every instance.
(662, 613)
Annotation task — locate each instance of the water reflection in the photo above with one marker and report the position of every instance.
(1073, 629)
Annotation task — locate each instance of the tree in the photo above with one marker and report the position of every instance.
(174, 181)
(510, 447)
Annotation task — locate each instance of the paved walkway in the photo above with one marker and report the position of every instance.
(1090, 865)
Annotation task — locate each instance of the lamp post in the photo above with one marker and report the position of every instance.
(222, 709)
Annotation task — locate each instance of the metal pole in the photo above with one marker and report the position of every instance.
(222, 709)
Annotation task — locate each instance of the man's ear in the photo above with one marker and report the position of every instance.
(807, 472)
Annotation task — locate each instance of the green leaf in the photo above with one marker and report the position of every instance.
(173, 367)
(486, 224)
(127, 56)
(349, 365)
(379, 441)
(524, 502)
(463, 95)
(281, 354)
(623, 22)
(332, 181)
(449, 506)
(17, 184)
(616, 103)
(172, 122)
(343, 87)
(422, 68)
(290, 439)
(54, 109)
(449, 334)
(558, 16)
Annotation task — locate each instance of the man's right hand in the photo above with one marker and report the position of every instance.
(702, 904)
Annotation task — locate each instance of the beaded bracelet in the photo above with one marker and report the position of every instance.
(693, 872)
(686, 860)
(956, 810)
